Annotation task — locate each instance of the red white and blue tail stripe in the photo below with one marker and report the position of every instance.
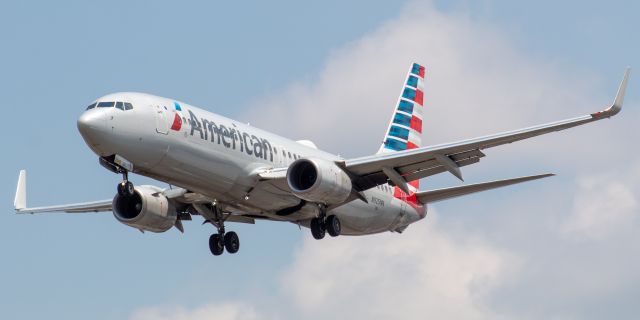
(405, 129)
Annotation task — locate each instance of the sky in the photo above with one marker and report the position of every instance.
(566, 247)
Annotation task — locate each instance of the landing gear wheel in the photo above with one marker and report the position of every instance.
(317, 228)
(126, 189)
(333, 226)
(231, 242)
(216, 244)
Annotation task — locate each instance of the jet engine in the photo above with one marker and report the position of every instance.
(318, 180)
(147, 210)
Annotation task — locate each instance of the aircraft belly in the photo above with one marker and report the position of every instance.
(359, 218)
(268, 198)
(201, 167)
(220, 175)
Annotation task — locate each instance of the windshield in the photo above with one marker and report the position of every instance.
(110, 104)
(106, 104)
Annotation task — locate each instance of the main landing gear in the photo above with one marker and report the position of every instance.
(323, 224)
(125, 188)
(222, 240)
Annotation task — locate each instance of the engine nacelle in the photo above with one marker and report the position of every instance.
(147, 210)
(318, 180)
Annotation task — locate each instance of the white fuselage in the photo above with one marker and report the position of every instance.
(219, 158)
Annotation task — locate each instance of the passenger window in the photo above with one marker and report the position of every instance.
(105, 104)
(120, 105)
(91, 106)
(128, 106)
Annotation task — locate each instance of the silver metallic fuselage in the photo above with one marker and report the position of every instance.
(222, 165)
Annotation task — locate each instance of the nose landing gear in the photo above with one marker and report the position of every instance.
(126, 188)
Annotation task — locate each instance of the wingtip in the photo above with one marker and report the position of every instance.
(622, 89)
(616, 107)
(20, 201)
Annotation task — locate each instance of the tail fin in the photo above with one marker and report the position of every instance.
(405, 128)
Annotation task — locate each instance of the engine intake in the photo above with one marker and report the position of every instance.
(146, 210)
(318, 180)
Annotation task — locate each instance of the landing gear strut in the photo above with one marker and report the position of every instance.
(323, 224)
(125, 188)
(222, 240)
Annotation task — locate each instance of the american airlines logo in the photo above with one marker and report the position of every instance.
(230, 137)
(177, 119)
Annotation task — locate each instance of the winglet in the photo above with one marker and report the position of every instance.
(617, 103)
(20, 202)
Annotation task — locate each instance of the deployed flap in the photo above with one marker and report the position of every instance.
(448, 193)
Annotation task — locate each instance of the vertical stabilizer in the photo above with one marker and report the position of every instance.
(405, 128)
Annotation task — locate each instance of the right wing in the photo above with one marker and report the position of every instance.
(447, 193)
(408, 165)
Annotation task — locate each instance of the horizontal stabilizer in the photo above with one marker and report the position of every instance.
(453, 192)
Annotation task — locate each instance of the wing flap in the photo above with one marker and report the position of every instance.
(415, 171)
(453, 192)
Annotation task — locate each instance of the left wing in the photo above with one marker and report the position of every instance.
(178, 195)
(20, 202)
(409, 165)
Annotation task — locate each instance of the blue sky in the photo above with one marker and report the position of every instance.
(254, 62)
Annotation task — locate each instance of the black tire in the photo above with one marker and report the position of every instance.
(216, 244)
(126, 189)
(231, 242)
(317, 229)
(333, 225)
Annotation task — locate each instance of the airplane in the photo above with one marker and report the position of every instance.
(227, 171)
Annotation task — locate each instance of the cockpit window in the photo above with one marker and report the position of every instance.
(106, 104)
(110, 104)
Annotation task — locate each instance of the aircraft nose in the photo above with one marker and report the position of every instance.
(92, 126)
(91, 121)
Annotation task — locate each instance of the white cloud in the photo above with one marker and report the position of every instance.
(477, 83)
(221, 311)
(421, 272)
(604, 204)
